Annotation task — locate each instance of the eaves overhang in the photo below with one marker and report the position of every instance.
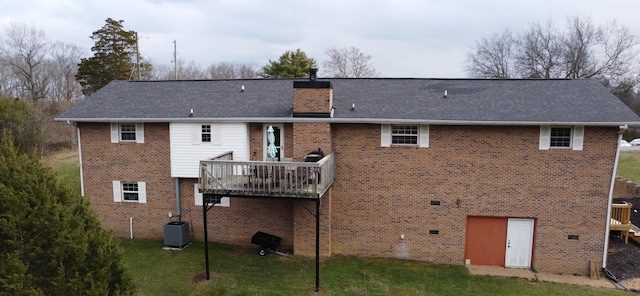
(354, 120)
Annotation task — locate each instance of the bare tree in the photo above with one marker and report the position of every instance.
(492, 57)
(582, 50)
(182, 71)
(539, 52)
(63, 66)
(349, 62)
(24, 50)
(234, 70)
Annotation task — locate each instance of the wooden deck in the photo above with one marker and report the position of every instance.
(621, 220)
(224, 176)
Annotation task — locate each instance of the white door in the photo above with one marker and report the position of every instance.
(519, 243)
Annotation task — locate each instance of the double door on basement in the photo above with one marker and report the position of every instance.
(499, 241)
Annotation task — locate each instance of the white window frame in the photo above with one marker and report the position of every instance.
(225, 202)
(118, 192)
(116, 132)
(422, 136)
(576, 138)
(205, 130)
(215, 132)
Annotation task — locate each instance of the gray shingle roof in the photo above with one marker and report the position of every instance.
(468, 101)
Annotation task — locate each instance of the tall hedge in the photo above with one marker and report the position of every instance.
(52, 242)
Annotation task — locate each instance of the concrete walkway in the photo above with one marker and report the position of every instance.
(603, 282)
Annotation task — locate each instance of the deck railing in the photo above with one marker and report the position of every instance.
(621, 219)
(223, 176)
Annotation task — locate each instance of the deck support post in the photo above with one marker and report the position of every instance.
(318, 245)
(206, 206)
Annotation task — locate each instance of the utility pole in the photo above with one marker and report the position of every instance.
(138, 55)
(175, 60)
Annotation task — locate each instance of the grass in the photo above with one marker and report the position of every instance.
(240, 271)
(629, 166)
(66, 164)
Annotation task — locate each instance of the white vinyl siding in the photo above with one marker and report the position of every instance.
(118, 192)
(224, 202)
(186, 153)
(552, 137)
(136, 135)
(418, 136)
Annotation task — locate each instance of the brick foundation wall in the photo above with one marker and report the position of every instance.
(382, 193)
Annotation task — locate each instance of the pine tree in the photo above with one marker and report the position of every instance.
(52, 242)
(114, 51)
(291, 64)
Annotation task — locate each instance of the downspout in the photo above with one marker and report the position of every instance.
(178, 202)
(613, 180)
(80, 164)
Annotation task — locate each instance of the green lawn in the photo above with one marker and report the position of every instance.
(629, 166)
(240, 271)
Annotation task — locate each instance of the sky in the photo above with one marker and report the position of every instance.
(405, 38)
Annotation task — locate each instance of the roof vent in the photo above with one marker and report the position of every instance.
(242, 89)
(445, 94)
(191, 114)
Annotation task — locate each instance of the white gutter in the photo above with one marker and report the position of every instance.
(349, 120)
(613, 180)
(80, 164)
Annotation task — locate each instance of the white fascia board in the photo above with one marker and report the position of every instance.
(349, 120)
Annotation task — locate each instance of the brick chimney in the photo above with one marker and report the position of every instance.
(312, 98)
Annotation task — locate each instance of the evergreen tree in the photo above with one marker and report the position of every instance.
(52, 243)
(291, 64)
(113, 58)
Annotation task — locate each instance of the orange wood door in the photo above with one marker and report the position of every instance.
(485, 240)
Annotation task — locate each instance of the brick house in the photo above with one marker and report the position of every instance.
(513, 173)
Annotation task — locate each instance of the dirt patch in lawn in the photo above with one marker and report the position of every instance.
(61, 156)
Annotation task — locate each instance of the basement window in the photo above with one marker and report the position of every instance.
(435, 202)
(573, 237)
(434, 231)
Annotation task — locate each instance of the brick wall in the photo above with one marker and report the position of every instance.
(312, 99)
(104, 162)
(382, 193)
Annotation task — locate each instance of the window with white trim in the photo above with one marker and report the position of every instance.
(224, 201)
(561, 137)
(130, 191)
(205, 135)
(127, 132)
(125, 191)
(404, 135)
